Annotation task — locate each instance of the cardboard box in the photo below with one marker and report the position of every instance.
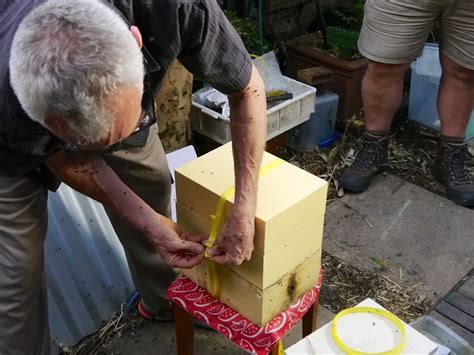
(288, 231)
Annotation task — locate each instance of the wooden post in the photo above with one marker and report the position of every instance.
(309, 320)
(173, 104)
(184, 330)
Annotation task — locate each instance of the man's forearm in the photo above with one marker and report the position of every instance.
(89, 174)
(248, 128)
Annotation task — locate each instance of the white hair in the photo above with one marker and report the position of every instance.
(67, 58)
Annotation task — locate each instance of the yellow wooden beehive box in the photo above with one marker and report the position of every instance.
(288, 231)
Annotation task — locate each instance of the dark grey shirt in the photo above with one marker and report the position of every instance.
(194, 31)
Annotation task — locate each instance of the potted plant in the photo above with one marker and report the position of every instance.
(334, 47)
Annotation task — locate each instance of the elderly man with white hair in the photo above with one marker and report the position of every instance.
(77, 80)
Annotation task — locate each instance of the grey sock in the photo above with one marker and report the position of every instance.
(452, 140)
(376, 134)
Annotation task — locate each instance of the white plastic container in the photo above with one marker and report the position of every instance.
(425, 79)
(281, 118)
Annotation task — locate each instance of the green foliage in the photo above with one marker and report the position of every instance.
(248, 31)
(351, 15)
(343, 42)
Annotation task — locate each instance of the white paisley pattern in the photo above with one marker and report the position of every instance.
(258, 340)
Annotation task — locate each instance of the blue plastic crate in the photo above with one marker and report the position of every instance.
(425, 79)
(318, 131)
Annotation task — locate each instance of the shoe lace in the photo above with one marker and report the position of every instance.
(458, 157)
(368, 154)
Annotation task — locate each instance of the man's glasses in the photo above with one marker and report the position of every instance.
(147, 119)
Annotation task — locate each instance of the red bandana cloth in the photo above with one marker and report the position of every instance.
(259, 340)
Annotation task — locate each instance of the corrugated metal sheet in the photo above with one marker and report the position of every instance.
(85, 265)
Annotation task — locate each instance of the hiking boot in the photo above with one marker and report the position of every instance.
(451, 169)
(371, 159)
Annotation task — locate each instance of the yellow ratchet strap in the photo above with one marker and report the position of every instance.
(217, 221)
(281, 349)
(380, 312)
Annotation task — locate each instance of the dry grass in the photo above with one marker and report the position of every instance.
(329, 163)
(120, 324)
(344, 287)
(412, 150)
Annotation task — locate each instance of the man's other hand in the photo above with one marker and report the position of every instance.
(176, 248)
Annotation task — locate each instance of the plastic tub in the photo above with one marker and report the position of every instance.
(281, 118)
(425, 79)
(319, 128)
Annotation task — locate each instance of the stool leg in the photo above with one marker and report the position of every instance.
(309, 320)
(184, 329)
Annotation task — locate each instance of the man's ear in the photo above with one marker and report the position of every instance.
(137, 35)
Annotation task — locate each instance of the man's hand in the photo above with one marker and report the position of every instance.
(234, 244)
(176, 248)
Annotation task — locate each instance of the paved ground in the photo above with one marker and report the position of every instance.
(153, 336)
(409, 234)
(414, 237)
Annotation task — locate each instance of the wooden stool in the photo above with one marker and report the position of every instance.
(183, 292)
(185, 329)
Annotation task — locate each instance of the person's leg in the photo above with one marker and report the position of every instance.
(455, 101)
(146, 172)
(382, 91)
(23, 303)
(455, 98)
(393, 34)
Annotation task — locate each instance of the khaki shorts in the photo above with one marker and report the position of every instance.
(395, 31)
